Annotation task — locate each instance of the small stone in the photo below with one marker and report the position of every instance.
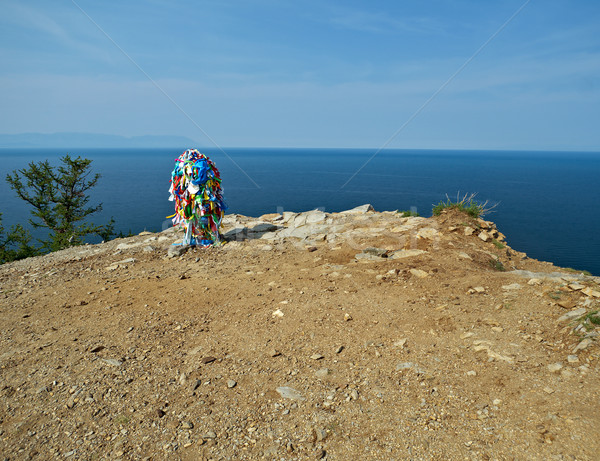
(401, 343)
(566, 373)
(463, 255)
(400, 254)
(418, 273)
(347, 317)
(479, 289)
(534, 281)
(210, 435)
(484, 236)
(277, 313)
(555, 367)
(320, 453)
(375, 251)
(97, 349)
(320, 434)
(590, 292)
(322, 373)
(207, 360)
(548, 390)
(177, 250)
(566, 303)
(231, 383)
(469, 231)
(498, 329)
(289, 393)
(583, 345)
(160, 413)
(512, 286)
(572, 314)
(497, 402)
(572, 358)
(471, 373)
(354, 394)
(113, 362)
(311, 249)
(466, 335)
(576, 286)
(274, 353)
(187, 425)
(339, 349)
(316, 356)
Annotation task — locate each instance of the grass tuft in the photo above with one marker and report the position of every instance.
(408, 214)
(467, 204)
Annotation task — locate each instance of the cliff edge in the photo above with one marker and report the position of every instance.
(352, 335)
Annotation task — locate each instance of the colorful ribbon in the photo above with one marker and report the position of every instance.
(199, 205)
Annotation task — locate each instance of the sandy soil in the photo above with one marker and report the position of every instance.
(288, 348)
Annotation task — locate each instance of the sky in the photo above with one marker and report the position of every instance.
(453, 74)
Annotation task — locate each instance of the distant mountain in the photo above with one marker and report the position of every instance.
(71, 140)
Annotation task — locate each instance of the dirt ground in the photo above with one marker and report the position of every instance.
(295, 349)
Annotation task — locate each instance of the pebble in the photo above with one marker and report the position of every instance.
(583, 345)
(419, 273)
(231, 383)
(572, 314)
(187, 425)
(572, 358)
(512, 286)
(471, 373)
(401, 343)
(322, 373)
(548, 390)
(316, 357)
(339, 349)
(210, 435)
(289, 393)
(113, 362)
(555, 367)
(347, 317)
(274, 353)
(320, 434)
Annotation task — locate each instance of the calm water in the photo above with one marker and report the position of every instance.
(547, 201)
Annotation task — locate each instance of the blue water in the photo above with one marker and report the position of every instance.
(547, 201)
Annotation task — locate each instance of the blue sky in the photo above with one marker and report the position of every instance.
(320, 73)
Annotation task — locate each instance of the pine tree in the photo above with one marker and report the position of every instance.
(59, 200)
(16, 244)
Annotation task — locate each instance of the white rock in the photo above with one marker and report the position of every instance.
(360, 209)
(315, 216)
(428, 233)
(583, 345)
(484, 236)
(512, 286)
(289, 393)
(406, 254)
(419, 273)
(555, 367)
(590, 292)
(572, 314)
